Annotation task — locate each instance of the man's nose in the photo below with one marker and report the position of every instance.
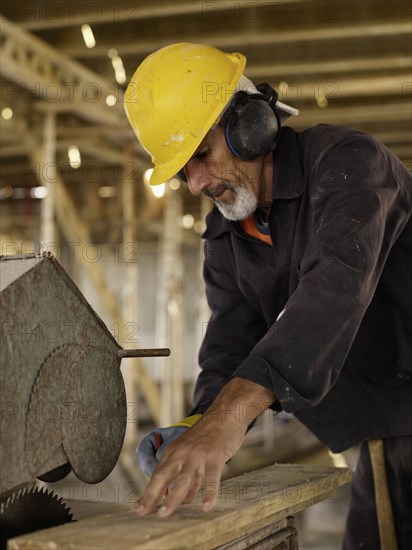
(197, 177)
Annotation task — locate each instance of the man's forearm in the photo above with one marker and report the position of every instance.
(240, 402)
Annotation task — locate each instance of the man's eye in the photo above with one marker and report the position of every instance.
(202, 154)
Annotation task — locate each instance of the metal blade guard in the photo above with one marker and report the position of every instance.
(62, 394)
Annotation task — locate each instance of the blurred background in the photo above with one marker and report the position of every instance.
(73, 179)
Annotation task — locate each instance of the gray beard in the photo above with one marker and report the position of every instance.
(244, 205)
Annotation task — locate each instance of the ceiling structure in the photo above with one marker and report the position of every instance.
(341, 62)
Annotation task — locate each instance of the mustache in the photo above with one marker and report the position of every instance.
(219, 189)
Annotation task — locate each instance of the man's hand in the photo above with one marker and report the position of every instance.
(154, 444)
(198, 456)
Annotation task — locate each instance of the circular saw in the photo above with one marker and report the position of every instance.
(62, 393)
(29, 510)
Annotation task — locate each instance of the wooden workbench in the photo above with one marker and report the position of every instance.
(254, 510)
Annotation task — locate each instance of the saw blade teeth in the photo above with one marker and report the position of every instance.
(37, 507)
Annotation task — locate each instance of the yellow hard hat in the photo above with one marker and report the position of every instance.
(173, 99)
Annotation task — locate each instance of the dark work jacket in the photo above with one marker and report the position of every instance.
(323, 316)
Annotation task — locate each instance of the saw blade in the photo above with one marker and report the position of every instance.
(30, 510)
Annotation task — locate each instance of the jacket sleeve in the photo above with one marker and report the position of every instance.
(233, 330)
(361, 200)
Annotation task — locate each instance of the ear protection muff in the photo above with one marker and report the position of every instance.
(252, 125)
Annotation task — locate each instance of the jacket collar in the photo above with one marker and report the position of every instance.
(288, 182)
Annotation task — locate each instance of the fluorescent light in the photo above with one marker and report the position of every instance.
(111, 100)
(321, 99)
(146, 176)
(74, 156)
(107, 191)
(117, 63)
(39, 192)
(174, 184)
(158, 190)
(120, 77)
(199, 226)
(187, 221)
(6, 192)
(119, 72)
(88, 36)
(7, 113)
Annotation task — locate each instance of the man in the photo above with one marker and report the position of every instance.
(308, 272)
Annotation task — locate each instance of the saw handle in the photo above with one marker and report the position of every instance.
(149, 352)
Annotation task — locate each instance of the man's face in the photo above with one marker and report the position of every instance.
(232, 184)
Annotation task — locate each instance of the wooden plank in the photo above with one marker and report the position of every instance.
(245, 503)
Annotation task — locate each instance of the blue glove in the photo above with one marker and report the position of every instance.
(153, 445)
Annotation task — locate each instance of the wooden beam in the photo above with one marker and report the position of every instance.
(295, 70)
(238, 41)
(65, 84)
(351, 116)
(404, 153)
(12, 151)
(245, 504)
(337, 88)
(394, 138)
(134, 12)
(94, 112)
(105, 152)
